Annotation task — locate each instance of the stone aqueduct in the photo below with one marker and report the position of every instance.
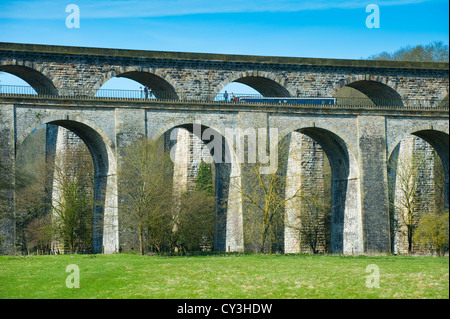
(358, 140)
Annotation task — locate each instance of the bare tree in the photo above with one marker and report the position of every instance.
(435, 51)
(146, 182)
(31, 204)
(315, 217)
(408, 170)
(54, 197)
(309, 214)
(264, 201)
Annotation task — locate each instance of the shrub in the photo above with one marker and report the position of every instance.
(432, 232)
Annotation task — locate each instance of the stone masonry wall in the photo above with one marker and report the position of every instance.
(84, 70)
(190, 77)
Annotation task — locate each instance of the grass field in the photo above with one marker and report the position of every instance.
(233, 276)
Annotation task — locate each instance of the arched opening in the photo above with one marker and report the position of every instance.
(254, 86)
(325, 215)
(36, 82)
(68, 177)
(418, 187)
(265, 86)
(368, 93)
(139, 85)
(235, 89)
(192, 147)
(202, 212)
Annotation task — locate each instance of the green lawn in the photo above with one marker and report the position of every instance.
(233, 276)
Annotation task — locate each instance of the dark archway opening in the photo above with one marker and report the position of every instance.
(135, 86)
(265, 86)
(368, 93)
(63, 170)
(253, 86)
(36, 80)
(320, 170)
(203, 145)
(418, 172)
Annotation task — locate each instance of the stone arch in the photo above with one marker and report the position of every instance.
(379, 91)
(440, 130)
(161, 84)
(228, 208)
(346, 214)
(35, 78)
(105, 224)
(438, 138)
(402, 148)
(439, 141)
(266, 83)
(40, 120)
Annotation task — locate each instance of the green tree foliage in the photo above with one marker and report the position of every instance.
(196, 221)
(204, 181)
(72, 199)
(432, 232)
(196, 218)
(75, 213)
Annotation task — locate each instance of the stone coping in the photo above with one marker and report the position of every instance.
(222, 58)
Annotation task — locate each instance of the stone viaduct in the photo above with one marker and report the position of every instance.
(406, 99)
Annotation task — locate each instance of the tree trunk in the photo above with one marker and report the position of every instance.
(141, 239)
(410, 239)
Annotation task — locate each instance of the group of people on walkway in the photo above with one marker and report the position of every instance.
(145, 93)
(232, 97)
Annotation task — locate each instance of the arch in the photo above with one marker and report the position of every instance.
(161, 85)
(402, 150)
(40, 120)
(266, 83)
(377, 92)
(439, 141)
(346, 217)
(105, 220)
(36, 79)
(437, 131)
(228, 210)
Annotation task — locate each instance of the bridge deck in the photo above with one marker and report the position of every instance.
(441, 111)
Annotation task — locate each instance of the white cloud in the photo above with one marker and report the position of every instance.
(159, 8)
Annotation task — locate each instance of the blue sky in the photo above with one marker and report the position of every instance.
(322, 28)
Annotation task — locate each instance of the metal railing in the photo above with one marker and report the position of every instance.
(138, 95)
